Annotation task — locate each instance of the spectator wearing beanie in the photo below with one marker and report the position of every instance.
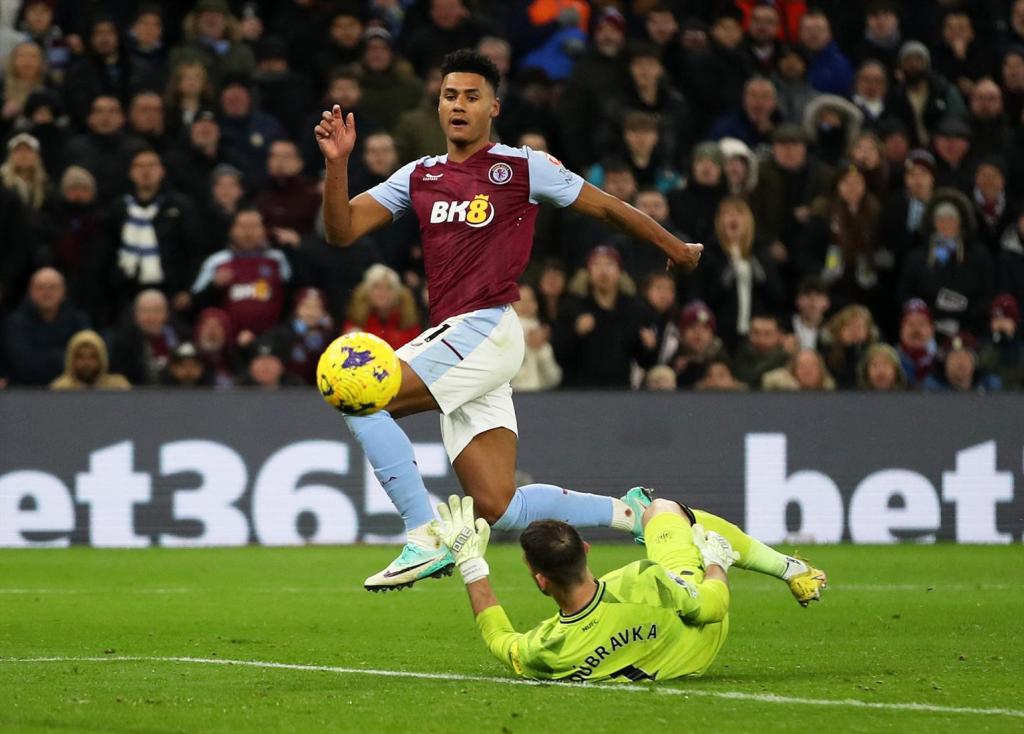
(215, 341)
(917, 347)
(1002, 351)
(951, 273)
(389, 85)
(384, 307)
(192, 162)
(75, 238)
(693, 206)
(954, 161)
(698, 345)
(86, 366)
(266, 368)
(185, 368)
(923, 98)
(880, 370)
(598, 335)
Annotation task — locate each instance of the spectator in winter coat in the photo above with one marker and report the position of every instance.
(86, 366)
(923, 98)
(74, 241)
(384, 307)
(36, 334)
(693, 206)
(754, 121)
(153, 235)
(598, 334)
(186, 368)
(870, 87)
(191, 163)
(738, 278)
(389, 85)
(214, 339)
(105, 150)
(540, 370)
(850, 333)
(992, 209)
(290, 202)
(213, 38)
(829, 70)
(951, 273)
(247, 130)
(305, 336)
(1002, 352)
(762, 351)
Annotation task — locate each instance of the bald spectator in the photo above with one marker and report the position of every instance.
(36, 334)
(141, 346)
(992, 134)
(828, 70)
(105, 149)
(290, 202)
(754, 122)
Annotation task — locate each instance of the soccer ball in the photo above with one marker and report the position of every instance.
(358, 373)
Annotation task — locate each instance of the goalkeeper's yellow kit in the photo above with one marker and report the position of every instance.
(653, 619)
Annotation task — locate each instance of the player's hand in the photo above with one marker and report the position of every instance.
(335, 134)
(465, 537)
(684, 255)
(714, 549)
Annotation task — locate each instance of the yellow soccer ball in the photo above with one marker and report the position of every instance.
(358, 373)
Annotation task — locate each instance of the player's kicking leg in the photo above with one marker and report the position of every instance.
(390, 453)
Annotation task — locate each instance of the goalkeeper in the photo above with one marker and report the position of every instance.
(655, 619)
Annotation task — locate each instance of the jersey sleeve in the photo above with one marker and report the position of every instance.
(393, 194)
(550, 181)
(500, 637)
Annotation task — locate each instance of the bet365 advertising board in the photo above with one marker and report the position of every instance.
(280, 468)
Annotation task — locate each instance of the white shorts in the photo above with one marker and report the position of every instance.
(466, 362)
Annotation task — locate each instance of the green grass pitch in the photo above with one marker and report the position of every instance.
(909, 638)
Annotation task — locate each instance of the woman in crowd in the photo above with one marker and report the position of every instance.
(381, 305)
(880, 370)
(847, 338)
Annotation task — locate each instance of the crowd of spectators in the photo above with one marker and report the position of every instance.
(855, 171)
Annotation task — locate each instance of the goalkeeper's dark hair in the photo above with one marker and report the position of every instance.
(556, 550)
(469, 61)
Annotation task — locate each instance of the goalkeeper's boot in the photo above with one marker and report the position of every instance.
(421, 558)
(805, 584)
(638, 500)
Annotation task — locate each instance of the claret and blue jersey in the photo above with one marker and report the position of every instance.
(477, 220)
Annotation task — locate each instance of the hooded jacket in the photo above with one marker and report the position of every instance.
(104, 381)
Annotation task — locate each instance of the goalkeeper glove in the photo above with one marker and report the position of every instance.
(466, 538)
(714, 549)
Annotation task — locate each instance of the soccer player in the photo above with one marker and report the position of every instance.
(476, 207)
(660, 618)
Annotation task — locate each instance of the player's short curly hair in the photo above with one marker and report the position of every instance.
(471, 62)
(556, 550)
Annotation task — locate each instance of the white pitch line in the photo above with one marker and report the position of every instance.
(758, 589)
(621, 687)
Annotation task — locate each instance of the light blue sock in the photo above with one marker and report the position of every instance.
(548, 502)
(390, 453)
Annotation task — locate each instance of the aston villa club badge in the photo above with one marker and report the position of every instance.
(500, 173)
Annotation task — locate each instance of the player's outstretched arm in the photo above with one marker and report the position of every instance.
(602, 206)
(467, 539)
(344, 221)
